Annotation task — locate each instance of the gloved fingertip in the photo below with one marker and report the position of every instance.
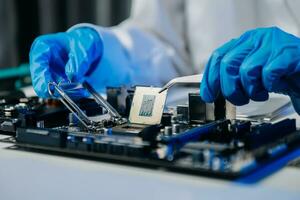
(206, 95)
(261, 95)
(239, 102)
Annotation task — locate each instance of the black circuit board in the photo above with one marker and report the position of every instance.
(221, 148)
(198, 149)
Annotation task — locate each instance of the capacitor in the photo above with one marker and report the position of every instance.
(168, 130)
(217, 164)
(40, 124)
(173, 119)
(184, 111)
(162, 131)
(175, 128)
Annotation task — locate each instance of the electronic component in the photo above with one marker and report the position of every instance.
(147, 106)
(199, 111)
(183, 111)
(116, 97)
(42, 137)
(31, 112)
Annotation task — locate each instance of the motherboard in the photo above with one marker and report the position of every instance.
(133, 126)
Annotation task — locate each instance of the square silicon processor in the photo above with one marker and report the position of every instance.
(147, 106)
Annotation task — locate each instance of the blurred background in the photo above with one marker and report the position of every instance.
(22, 21)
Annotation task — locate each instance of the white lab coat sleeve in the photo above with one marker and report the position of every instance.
(148, 48)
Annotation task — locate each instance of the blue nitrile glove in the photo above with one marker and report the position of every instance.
(260, 61)
(64, 57)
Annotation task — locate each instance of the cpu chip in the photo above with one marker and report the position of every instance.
(147, 105)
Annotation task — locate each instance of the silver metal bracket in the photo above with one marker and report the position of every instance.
(91, 123)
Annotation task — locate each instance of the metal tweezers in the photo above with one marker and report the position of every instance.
(183, 80)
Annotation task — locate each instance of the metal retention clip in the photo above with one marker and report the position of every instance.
(89, 122)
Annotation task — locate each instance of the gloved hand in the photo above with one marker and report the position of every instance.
(260, 61)
(64, 57)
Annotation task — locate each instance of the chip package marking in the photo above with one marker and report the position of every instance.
(147, 105)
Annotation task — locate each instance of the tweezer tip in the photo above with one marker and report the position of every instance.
(163, 89)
